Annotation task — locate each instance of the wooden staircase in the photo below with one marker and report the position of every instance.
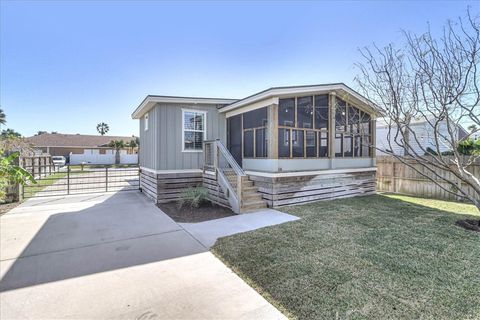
(238, 189)
(250, 197)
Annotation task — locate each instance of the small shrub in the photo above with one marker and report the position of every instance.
(193, 197)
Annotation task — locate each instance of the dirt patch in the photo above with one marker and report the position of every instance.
(5, 207)
(205, 212)
(469, 224)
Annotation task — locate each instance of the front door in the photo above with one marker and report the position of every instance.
(234, 137)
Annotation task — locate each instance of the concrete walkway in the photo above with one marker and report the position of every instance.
(113, 256)
(208, 232)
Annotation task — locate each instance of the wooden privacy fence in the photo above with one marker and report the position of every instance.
(394, 176)
(39, 166)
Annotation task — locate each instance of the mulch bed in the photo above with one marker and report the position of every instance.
(469, 224)
(207, 211)
(5, 207)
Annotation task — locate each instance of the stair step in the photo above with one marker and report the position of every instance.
(250, 197)
(247, 183)
(247, 206)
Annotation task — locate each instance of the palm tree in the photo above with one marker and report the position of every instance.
(117, 145)
(133, 144)
(3, 117)
(102, 128)
(10, 133)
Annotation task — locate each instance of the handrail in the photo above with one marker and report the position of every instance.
(231, 183)
(231, 161)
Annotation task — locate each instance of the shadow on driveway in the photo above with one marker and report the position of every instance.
(40, 244)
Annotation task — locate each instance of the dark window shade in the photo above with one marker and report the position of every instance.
(297, 143)
(305, 112)
(261, 143)
(286, 112)
(248, 144)
(255, 118)
(284, 143)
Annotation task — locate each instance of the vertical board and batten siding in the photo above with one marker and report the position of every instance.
(394, 176)
(164, 137)
(149, 140)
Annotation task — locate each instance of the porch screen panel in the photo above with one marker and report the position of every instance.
(248, 144)
(284, 143)
(234, 137)
(297, 143)
(308, 117)
(321, 112)
(311, 144)
(352, 131)
(261, 143)
(286, 112)
(255, 139)
(305, 112)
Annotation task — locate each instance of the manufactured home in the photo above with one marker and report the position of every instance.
(281, 146)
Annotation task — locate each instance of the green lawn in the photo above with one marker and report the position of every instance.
(375, 257)
(44, 182)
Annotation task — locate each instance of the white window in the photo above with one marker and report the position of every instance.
(193, 130)
(145, 120)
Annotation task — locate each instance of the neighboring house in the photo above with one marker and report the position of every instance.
(89, 146)
(423, 137)
(281, 146)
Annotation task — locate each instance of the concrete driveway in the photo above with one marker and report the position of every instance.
(113, 256)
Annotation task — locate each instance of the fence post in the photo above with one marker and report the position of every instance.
(68, 179)
(106, 179)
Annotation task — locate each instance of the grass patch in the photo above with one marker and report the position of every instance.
(44, 182)
(375, 257)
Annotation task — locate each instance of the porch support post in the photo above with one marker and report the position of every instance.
(272, 129)
(374, 140)
(331, 128)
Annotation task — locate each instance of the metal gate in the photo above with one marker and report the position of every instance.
(82, 179)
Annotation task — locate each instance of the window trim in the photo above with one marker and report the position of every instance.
(183, 129)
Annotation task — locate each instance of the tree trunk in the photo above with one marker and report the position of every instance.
(117, 156)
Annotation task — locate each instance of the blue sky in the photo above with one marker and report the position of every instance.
(66, 66)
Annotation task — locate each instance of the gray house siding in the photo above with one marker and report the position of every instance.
(163, 140)
(149, 141)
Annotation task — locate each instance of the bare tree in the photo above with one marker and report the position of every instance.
(435, 80)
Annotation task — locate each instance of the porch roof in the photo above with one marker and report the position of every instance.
(340, 88)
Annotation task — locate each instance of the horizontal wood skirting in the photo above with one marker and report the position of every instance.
(168, 187)
(215, 193)
(281, 191)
